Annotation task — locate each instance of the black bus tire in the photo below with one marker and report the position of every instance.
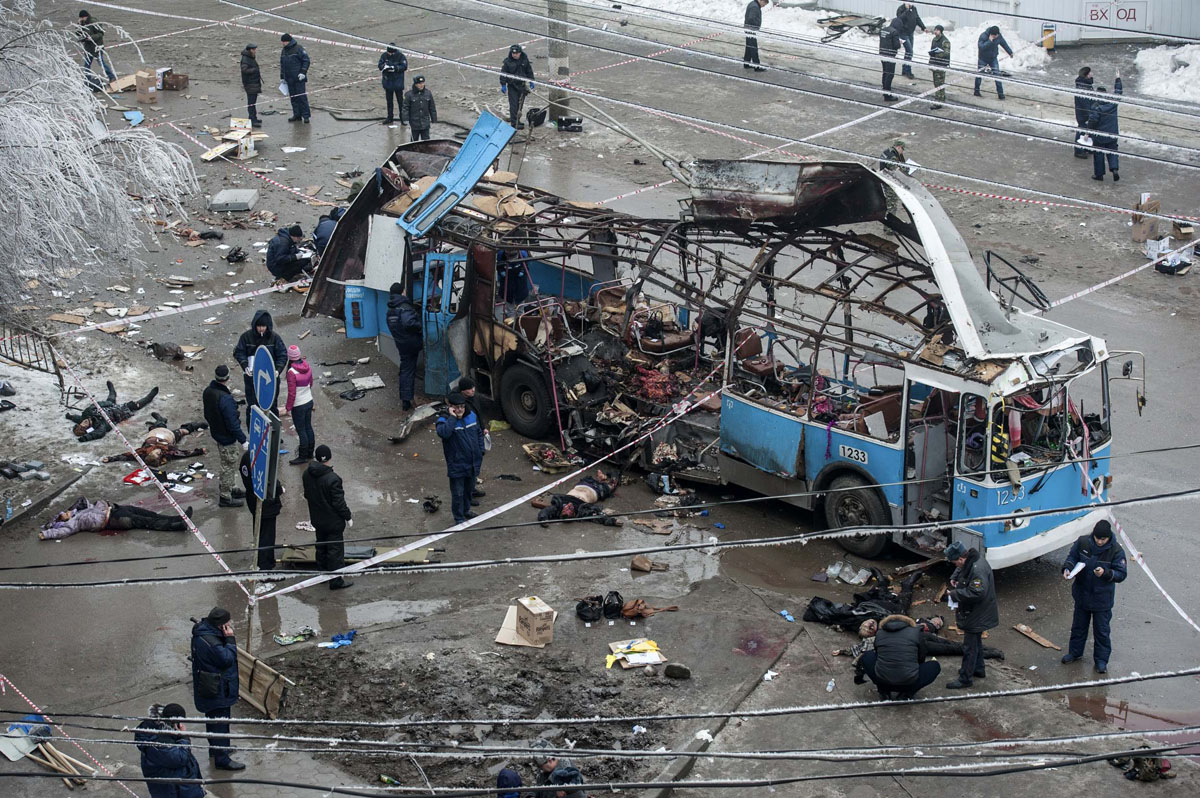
(852, 502)
(526, 401)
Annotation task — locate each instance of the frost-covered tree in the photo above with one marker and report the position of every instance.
(74, 195)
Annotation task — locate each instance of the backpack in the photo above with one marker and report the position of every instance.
(590, 609)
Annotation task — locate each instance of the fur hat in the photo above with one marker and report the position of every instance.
(955, 550)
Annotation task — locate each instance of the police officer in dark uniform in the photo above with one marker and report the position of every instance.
(1094, 590)
(392, 66)
(973, 594)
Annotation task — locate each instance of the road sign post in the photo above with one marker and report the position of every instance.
(264, 461)
(264, 378)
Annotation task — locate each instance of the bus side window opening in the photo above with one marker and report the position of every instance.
(974, 443)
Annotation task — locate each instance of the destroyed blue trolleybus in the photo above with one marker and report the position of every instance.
(845, 351)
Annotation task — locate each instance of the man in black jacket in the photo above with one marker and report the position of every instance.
(270, 513)
(284, 261)
(220, 411)
(261, 333)
(91, 38)
(1102, 117)
(328, 513)
(515, 71)
(753, 24)
(167, 754)
(392, 66)
(972, 595)
(293, 70)
(215, 681)
(897, 664)
(889, 46)
(404, 323)
(910, 20)
(1083, 106)
(251, 82)
(418, 110)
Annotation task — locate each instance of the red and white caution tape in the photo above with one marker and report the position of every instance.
(5, 680)
(1137, 556)
(1118, 278)
(204, 303)
(635, 59)
(682, 408)
(148, 470)
(198, 27)
(1046, 203)
(264, 178)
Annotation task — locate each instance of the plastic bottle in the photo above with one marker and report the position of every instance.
(829, 687)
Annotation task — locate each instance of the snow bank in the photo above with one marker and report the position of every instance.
(1156, 79)
(800, 22)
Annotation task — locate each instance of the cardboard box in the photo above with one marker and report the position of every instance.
(535, 620)
(1157, 247)
(1182, 231)
(1144, 229)
(147, 91)
(158, 77)
(175, 81)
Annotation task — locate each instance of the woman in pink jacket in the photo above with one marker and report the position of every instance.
(300, 403)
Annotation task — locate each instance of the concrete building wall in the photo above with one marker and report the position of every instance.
(1129, 19)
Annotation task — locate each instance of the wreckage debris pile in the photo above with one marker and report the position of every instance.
(654, 386)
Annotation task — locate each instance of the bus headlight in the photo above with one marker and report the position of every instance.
(1016, 523)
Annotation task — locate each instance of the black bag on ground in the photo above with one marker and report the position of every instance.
(536, 117)
(590, 609)
(613, 604)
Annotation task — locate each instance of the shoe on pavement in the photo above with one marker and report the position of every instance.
(977, 94)
(1116, 177)
(890, 98)
(293, 119)
(478, 494)
(238, 493)
(760, 69)
(256, 123)
(980, 675)
(230, 502)
(406, 405)
(470, 516)
(935, 107)
(1000, 97)
(229, 764)
(1068, 658)
(1101, 667)
(306, 120)
(957, 684)
(299, 460)
(341, 583)
(885, 695)
(389, 121)
(1098, 177)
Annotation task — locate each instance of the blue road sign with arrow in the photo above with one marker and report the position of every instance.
(264, 378)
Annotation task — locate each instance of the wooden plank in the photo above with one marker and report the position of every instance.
(221, 149)
(1035, 637)
(917, 566)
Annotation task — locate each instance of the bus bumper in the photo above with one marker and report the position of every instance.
(1046, 542)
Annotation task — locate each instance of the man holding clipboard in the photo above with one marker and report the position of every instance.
(1095, 564)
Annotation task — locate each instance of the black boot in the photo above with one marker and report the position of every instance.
(145, 400)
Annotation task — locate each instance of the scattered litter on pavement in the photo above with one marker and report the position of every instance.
(290, 150)
(640, 729)
(305, 526)
(368, 383)
(298, 637)
(705, 735)
(496, 425)
(643, 563)
(634, 653)
(787, 616)
(1035, 637)
(769, 675)
(431, 504)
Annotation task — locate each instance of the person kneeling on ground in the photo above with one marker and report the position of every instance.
(85, 516)
(583, 501)
(167, 754)
(897, 666)
(284, 260)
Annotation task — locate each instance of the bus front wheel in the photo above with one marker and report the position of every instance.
(526, 401)
(851, 502)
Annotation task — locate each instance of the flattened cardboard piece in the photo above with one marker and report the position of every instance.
(508, 636)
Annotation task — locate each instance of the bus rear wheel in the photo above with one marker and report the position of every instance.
(526, 401)
(851, 502)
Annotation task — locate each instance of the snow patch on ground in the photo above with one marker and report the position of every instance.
(1156, 78)
(1028, 56)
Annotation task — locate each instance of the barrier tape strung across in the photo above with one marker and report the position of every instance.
(1141, 561)
(655, 54)
(1117, 279)
(247, 170)
(161, 488)
(680, 409)
(199, 27)
(1027, 201)
(5, 680)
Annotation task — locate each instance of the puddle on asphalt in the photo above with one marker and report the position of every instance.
(1136, 717)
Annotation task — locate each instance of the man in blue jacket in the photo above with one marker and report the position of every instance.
(293, 70)
(167, 754)
(515, 70)
(392, 66)
(1094, 591)
(220, 411)
(215, 681)
(283, 255)
(990, 44)
(404, 323)
(1102, 117)
(462, 444)
(324, 229)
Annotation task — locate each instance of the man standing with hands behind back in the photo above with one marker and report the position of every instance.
(1096, 563)
(329, 514)
(972, 595)
(293, 70)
